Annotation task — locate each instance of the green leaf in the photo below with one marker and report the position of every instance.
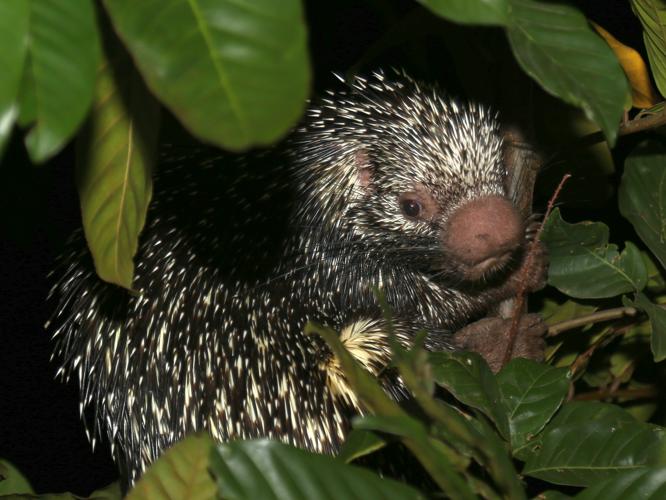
(181, 472)
(270, 470)
(14, 15)
(492, 12)
(235, 72)
(468, 378)
(652, 14)
(644, 484)
(359, 443)
(532, 393)
(642, 195)
(116, 157)
(590, 442)
(656, 282)
(657, 317)
(12, 482)
(584, 265)
(63, 52)
(554, 44)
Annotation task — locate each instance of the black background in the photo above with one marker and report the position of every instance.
(40, 429)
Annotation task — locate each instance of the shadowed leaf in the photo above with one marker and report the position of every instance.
(468, 377)
(590, 442)
(642, 195)
(116, 156)
(657, 317)
(532, 393)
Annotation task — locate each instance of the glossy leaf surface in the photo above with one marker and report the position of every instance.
(235, 72)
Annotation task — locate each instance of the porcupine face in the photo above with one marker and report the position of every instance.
(430, 183)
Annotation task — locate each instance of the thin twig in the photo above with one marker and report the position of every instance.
(595, 317)
(648, 392)
(522, 283)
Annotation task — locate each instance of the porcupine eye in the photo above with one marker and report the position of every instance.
(410, 207)
(418, 204)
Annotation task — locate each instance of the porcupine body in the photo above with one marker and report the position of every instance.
(239, 253)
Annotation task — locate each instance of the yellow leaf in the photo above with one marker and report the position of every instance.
(643, 94)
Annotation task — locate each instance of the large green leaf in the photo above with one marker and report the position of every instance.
(471, 11)
(532, 393)
(554, 44)
(652, 14)
(590, 442)
(235, 72)
(468, 377)
(181, 472)
(57, 87)
(117, 152)
(643, 484)
(14, 16)
(642, 195)
(270, 470)
(584, 265)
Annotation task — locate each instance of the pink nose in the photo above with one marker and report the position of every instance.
(483, 229)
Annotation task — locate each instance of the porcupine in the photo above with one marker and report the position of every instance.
(386, 183)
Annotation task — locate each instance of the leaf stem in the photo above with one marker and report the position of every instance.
(595, 317)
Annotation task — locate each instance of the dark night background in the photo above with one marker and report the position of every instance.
(40, 429)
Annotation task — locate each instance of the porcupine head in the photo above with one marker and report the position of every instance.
(423, 182)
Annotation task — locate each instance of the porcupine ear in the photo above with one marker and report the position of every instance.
(364, 170)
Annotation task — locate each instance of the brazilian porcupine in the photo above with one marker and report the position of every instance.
(384, 184)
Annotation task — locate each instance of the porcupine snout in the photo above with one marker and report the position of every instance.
(483, 234)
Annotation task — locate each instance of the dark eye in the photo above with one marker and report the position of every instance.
(410, 207)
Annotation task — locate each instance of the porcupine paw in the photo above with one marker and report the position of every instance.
(489, 337)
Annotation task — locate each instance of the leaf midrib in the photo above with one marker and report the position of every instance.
(220, 73)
